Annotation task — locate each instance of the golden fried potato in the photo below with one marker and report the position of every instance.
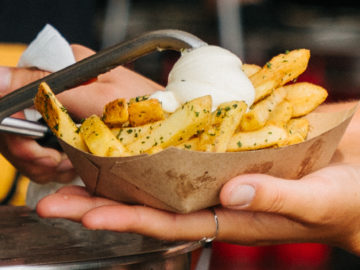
(265, 137)
(138, 99)
(298, 129)
(116, 112)
(188, 120)
(99, 139)
(281, 114)
(250, 69)
(226, 119)
(144, 112)
(191, 144)
(304, 97)
(57, 118)
(278, 71)
(128, 135)
(259, 113)
(299, 125)
(207, 138)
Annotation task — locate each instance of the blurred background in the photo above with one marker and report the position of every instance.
(255, 30)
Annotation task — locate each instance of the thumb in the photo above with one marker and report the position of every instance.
(12, 78)
(264, 193)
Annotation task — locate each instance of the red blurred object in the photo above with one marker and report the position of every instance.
(228, 256)
(290, 256)
(302, 256)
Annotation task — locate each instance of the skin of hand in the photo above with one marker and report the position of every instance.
(256, 209)
(42, 164)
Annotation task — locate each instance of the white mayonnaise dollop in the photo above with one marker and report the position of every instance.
(208, 70)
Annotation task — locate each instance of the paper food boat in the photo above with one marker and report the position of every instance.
(185, 181)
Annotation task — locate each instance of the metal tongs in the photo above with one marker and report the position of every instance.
(85, 70)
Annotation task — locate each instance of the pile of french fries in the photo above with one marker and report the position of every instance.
(138, 126)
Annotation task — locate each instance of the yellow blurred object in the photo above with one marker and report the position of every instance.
(7, 177)
(10, 53)
(9, 56)
(19, 197)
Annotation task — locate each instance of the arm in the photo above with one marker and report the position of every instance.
(256, 209)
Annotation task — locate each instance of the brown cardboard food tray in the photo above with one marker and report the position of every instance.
(185, 181)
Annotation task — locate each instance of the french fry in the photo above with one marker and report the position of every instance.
(144, 112)
(281, 114)
(138, 99)
(304, 97)
(191, 144)
(259, 113)
(116, 112)
(225, 121)
(265, 137)
(233, 114)
(206, 139)
(100, 140)
(128, 135)
(278, 71)
(57, 118)
(250, 69)
(185, 122)
(299, 125)
(297, 129)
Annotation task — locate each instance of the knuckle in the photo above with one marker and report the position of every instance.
(276, 201)
(321, 217)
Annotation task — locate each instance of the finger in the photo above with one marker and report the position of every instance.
(264, 193)
(151, 222)
(38, 163)
(234, 226)
(12, 78)
(240, 227)
(74, 190)
(119, 82)
(310, 199)
(80, 52)
(260, 228)
(29, 150)
(70, 206)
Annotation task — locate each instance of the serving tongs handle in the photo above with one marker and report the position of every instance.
(32, 129)
(101, 62)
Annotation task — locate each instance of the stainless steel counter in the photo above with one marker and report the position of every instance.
(29, 242)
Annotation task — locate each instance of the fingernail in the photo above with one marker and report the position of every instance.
(5, 76)
(65, 165)
(46, 161)
(241, 196)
